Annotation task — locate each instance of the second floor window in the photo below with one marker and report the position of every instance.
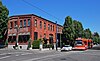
(20, 23)
(35, 23)
(53, 27)
(44, 25)
(11, 24)
(28, 22)
(57, 29)
(15, 23)
(40, 24)
(24, 22)
(48, 26)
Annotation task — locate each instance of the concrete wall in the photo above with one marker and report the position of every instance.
(23, 47)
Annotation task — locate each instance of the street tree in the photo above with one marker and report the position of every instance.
(87, 33)
(68, 30)
(96, 38)
(96, 34)
(3, 21)
(78, 28)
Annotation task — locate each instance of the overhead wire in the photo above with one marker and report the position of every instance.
(40, 9)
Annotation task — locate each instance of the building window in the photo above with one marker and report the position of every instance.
(35, 35)
(20, 23)
(59, 29)
(28, 22)
(40, 24)
(53, 27)
(24, 22)
(48, 26)
(11, 24)
(44, 25)
(35, 23)
(15, 23)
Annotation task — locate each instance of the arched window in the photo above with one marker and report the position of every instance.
(24, 22)
(28, 22)
(44, 25)
(35, 23)
(40, 24)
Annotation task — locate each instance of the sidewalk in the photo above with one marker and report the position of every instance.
(45, 49)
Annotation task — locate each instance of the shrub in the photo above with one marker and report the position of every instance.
(50, 45)
(36, 44)
(47, 46)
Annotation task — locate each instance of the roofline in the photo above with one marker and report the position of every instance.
(36, 16)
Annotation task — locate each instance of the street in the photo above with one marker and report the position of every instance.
(49, 55)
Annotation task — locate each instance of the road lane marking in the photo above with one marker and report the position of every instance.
(26, 53)
(57, 55)
(3, 54)
(47, 57)
(16, 55)
(11, 53)
(4, 57)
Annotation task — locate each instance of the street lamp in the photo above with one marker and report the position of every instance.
(17, 28)
(56, 37)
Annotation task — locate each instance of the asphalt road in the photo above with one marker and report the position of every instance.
(49, 55)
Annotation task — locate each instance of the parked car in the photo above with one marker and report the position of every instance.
(66, 48)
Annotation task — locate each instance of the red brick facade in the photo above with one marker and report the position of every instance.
(31, 26)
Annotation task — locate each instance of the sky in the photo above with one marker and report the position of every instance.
(85, 11)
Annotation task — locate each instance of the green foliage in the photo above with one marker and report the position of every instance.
(78, 28)
(96, 34)
(73, 29)
(96, 38)
(3, 20)
(68, 30)
(47, 46)
(36, 44)
(87, 34)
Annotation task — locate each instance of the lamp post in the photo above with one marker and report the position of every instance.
(17, 28)
(56, 38)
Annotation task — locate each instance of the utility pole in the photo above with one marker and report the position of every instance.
(56, 38)
(17, 28)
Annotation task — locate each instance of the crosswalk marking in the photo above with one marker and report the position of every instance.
(15, 54)
(4, 57)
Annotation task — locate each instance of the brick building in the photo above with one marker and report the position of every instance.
(31, 26)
